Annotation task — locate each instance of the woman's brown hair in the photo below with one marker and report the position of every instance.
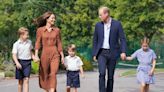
(42, 20)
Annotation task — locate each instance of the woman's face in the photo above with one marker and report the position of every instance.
(51, 19)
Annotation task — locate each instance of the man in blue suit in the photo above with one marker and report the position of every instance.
(109, 43)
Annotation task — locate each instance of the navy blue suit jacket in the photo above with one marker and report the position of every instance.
(117, 40)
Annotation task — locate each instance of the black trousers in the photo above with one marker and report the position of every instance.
(105, 61)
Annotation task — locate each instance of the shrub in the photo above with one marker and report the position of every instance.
(35, 68)
(9, 74)
(87, 64)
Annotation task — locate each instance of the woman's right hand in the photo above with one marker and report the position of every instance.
(37, 59)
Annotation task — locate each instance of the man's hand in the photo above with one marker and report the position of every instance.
(123, 56)
(94, 58)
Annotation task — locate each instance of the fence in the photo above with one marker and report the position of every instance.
(132, 46)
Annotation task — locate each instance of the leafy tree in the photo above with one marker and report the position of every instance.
(77, 18)
(139, 17)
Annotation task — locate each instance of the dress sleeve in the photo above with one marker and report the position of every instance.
(59, 42)
(38, 39)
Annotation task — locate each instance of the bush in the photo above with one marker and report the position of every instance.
(87, 64)
(2, 67)
(1, 62)
(35, 68)
(9, 74)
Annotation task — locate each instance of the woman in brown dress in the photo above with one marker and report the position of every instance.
(48, 38)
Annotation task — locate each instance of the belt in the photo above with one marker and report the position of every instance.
(73, 70)
(104, 49)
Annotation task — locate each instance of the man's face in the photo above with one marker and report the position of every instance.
(103, 15)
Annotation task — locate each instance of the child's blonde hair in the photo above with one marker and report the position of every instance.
(71, 47)
(22, 30)
(145, 40)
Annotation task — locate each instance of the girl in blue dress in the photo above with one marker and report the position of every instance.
(147, 60)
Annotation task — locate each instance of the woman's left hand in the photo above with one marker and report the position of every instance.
(62, 60)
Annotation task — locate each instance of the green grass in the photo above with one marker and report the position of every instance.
(128, 73)
(131, 72)
(159, 70)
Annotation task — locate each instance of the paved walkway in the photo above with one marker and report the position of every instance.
(89, 84)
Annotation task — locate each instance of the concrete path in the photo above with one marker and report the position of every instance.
(89, 84)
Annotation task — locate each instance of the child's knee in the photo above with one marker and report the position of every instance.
(147, 85)
(26, 80)
(143, 84)
(20, 82)
(68, 87)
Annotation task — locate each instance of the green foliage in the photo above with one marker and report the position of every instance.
(77, 18)
(1, 60)
(78, 22)
(9, 74)
(139, 17)
(87, 64)
(35, 68)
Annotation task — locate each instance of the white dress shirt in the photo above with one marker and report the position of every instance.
(107, 27)
(22, 49)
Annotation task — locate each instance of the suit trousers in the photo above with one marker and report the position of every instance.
(106, 62)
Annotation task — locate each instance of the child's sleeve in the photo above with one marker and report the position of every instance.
(31, 46)
(134, 55)
(80, 63)
(14, 50)
(154, 55)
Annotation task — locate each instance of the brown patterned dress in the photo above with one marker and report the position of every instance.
(51, 48)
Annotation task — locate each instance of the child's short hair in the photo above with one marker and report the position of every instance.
(22, 30)
(71, 47)
(145, 40)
